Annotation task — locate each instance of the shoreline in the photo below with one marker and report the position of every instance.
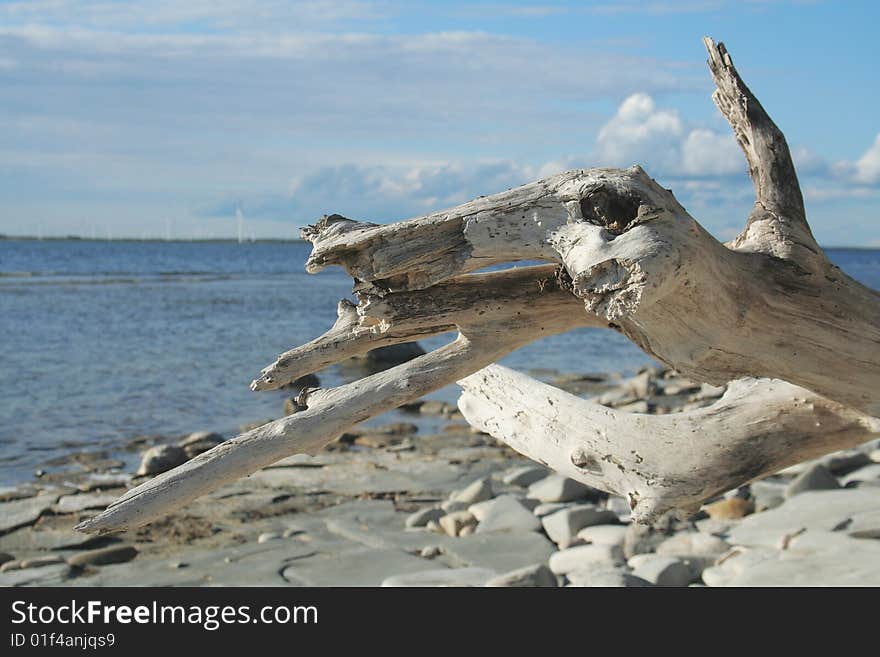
(402, 505)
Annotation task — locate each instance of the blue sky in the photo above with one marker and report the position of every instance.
(148, 118)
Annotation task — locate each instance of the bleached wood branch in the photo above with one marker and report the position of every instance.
(662, 462)
(524, 305)
(769, 304)
(779, 308)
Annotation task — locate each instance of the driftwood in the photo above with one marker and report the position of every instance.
(768, 306)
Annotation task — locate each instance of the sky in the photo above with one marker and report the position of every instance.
(161, 118)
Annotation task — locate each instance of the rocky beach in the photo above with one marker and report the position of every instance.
(428, 501)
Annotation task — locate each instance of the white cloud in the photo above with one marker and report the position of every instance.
(639, 132)
(708, 153)
(659, 139)
(867, 167)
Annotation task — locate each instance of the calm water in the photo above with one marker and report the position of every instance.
(102, 341)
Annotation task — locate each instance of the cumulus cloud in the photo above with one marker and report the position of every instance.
(659, 139)
(867, 167)
(639, 132)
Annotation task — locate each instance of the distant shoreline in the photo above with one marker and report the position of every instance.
(76, 238)
(261, 240)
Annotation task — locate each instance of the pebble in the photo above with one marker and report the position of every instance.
(692, 544)
(603, 534)
(18, 513)
(584, 557)
(843, 462)
(525, 476)
(265, 537)
(39, 562)
(605, 576)
(663, 571)
(83, 501)
(430, 551)
(161, 458)
(537, 575)
(558, 488)
(450, 506)
(103, 556)
(444, 577)
(453, 523)
(816, 478)
(730, 508)
(562, 527)
(479, 490)
(424, 516)
(867, 473)
(545, 509)
(506, 514)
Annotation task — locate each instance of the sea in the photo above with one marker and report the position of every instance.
(102, 341)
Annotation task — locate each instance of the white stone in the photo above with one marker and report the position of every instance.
(813, 510)
(562, 527)
(443, 578)
(558, 488)
(599, 575)
(867, 473)
(477, 491)
(663, 571)
(525, 476)
(453, 523)
(537, 575)
(692, 544)
(603, 534)
(506, 514)
(583, 557)
(424, 516)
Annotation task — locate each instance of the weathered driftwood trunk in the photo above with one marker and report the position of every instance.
(627, 257)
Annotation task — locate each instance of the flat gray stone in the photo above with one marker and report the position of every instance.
(506, 514)
(815, 558)
(424, 516)
(18, 513)
(51, 575)
(817, 477)
(365, 567)
(563, 526)
(546, 508)
(103, 556)
(768, 494)
(585, 557)
(536, 575)
(501, 552)
(600, 575)
(843, 462)
(454, 577)
(477, 491)
(692, 544)
(867, 473)
(29, 539)
(863, 525)
(603, 534)
(813, 510)
(525, 476)
(663, 571)
(558, 488)
(83, 501)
